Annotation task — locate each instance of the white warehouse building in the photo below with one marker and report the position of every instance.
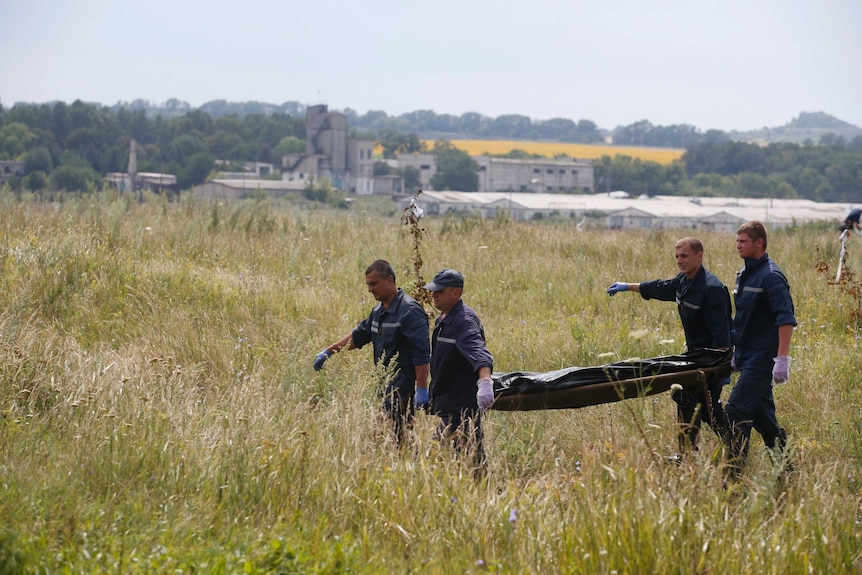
(721, 214)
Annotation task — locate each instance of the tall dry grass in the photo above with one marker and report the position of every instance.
(160, 412)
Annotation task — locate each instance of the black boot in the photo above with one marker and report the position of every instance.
(688, 428)
(777, 445)
(737, 453)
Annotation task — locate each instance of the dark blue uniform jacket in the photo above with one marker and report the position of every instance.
(459, 352)
(401, 329)
(703, 303)
(763, 303)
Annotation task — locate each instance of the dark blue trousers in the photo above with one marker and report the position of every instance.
(695, 406)
(751, 405)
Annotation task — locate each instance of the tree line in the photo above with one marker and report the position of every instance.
(738, 169)
(808, 127)
(72, 146)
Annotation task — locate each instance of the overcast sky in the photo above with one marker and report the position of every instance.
(724, 64)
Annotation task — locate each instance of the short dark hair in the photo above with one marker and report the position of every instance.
(753, 229)
(383, 268)
(695, 244)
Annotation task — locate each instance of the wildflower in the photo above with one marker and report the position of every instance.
(513, 515)
(675, 387)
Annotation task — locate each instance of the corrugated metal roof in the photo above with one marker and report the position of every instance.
(783, 211)
(253, 184)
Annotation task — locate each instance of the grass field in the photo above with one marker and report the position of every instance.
(159, 412)
(551, 149)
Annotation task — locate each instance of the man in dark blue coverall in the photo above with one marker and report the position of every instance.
(762, 329)
(461, 365)
(396, 325)
(704, 309)
(851, 222)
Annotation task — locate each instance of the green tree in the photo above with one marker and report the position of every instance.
(412, 177)
(15, 139)
(518, 154)
(323, 192)
(225, 145)
(289, 145)
(394, 143)
(38, 160)
(183, 147)
(473, 124)
(382, 169)
(511, 126)
(456, 170)
(196, 169)
(35, 181)
(74, 178)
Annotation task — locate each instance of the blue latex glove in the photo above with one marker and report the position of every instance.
(320, 358)
(485, 394)
(781, 371)
(617, 287)
(420, 398)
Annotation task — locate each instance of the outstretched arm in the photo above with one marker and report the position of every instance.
(320, 358)
(623, 286)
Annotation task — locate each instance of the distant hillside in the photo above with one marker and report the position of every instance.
(809, 126)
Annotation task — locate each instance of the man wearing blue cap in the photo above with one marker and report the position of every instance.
(396, 327)
(461, 365)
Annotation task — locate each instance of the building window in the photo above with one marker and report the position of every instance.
(536, 170)
(523, 188)
(425, 167)
(550, 170)
(562, 171)
(575, 172)
(550, 188)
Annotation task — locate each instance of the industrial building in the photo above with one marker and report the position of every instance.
(238, 189)
(534, 175)
(615, 212)
(349, 164)
(329, 154)
(133, 180)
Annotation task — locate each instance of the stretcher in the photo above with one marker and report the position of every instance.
(575, 387)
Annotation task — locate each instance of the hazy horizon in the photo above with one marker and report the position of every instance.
(729, 65)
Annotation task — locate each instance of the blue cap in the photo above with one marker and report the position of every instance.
(445, 278)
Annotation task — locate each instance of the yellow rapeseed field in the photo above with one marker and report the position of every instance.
(551, 149)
